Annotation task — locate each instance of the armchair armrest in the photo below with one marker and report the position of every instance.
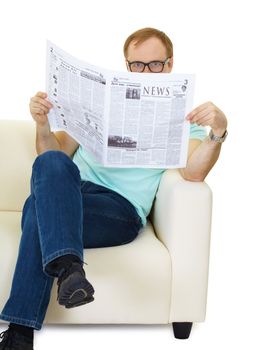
(181, 217)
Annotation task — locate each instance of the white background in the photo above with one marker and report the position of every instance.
(220, 41)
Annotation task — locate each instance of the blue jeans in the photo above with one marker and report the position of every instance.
(63, 215)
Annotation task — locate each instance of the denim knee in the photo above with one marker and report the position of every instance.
(55, 163)
(29, 213)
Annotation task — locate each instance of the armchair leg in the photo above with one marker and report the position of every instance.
(182, 330)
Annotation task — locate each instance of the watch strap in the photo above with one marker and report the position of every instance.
(219, 139)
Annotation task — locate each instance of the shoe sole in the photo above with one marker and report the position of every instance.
(82, 295)
(78, 298)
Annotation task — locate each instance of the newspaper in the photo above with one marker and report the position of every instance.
(122, 119)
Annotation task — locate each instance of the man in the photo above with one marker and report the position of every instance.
(76, 203)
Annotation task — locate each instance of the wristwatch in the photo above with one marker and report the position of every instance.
(219, 139)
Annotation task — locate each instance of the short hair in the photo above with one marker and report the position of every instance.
(141, 35)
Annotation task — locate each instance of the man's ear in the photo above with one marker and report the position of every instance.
(170, 63)
(127, 66)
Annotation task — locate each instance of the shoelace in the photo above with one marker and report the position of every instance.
(13, 341)
(4, 337)
(64, 273)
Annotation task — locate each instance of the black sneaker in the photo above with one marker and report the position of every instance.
(12, 340)
(73, 288)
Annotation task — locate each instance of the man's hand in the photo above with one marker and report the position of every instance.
(208, 114)
(45, 139)
(204, 155)
(39, 108)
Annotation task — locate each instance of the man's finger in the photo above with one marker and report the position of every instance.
(197, 110)
(205, 121)
(38, 110)
(41, 94)
(41, 101)
(200, 115)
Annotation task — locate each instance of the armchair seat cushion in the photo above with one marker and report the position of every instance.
(132, 282)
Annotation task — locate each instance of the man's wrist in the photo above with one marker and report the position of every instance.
(217, 139)
(43, 130)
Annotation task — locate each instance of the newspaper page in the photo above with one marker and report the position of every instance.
(123, 119)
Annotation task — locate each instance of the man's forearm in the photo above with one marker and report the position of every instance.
(202, 160)
(206, 154)
(45, 139)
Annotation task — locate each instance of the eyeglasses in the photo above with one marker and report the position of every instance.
(154, 66)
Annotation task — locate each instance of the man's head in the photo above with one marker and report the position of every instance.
(148, 45)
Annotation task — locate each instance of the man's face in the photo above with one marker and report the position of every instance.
(150, 50)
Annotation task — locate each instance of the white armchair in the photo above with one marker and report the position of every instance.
(159, 278)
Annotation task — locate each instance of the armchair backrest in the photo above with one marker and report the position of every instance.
(17, 154)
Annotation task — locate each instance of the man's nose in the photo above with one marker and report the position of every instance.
(146, 70)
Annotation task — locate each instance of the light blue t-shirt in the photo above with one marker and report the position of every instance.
(138, 185)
